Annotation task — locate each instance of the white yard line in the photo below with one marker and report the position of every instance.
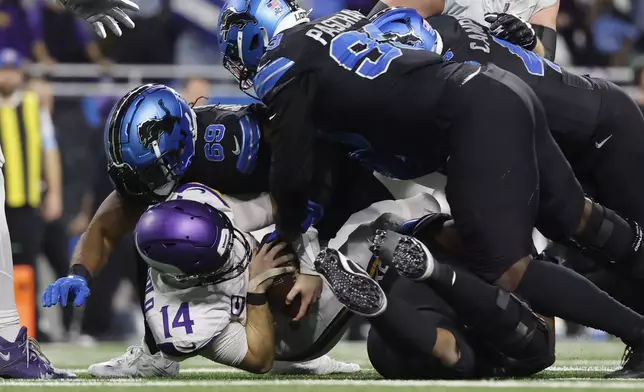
(206, 370)
(195, 370)
(579, 384)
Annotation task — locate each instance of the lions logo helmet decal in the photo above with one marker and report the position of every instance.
(151, 130)
(233, 18)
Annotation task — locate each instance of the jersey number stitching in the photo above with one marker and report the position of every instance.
(213, 150)
(181, 319)
(365, 50)
(533, 63)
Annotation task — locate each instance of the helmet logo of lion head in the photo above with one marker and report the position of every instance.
(233, 18)
(151, 130)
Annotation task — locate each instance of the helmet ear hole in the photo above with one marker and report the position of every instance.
(254, 43)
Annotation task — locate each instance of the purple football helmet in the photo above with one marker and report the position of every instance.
(191, 243)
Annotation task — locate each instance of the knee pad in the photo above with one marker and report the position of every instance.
(607, 237)
(528, 346)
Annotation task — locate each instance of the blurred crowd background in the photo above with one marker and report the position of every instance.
(78, 77)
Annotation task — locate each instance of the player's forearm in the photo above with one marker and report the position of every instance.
(113, 220)
(261, 339)
(255, 214)
(539, 49)
(53, 172)
(425, 8)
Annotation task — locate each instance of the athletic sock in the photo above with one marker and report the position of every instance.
(554, 290)
(474, 300)
(9, 324)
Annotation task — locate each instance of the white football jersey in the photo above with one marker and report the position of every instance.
(183, 321)
(476, 9)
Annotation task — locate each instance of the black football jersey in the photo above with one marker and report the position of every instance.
(571, 101)
(230, 153)
(339, 76)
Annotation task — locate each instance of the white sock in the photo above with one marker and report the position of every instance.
(9, 325)
(9, 320)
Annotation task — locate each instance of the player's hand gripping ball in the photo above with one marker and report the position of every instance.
(282, 285)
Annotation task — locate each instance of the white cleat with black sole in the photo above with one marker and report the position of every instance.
(409, 256)
(352, 286)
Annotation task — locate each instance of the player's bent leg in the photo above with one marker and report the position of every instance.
(492, 176)
(424, 336)
(493, 229)
(393, 358)
(136, 362)
(494, 315)
(618, 152)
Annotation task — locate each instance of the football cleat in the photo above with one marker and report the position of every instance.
(632, 364)
(409, 256)
(136, 363)
(352, 286)
(24, 359)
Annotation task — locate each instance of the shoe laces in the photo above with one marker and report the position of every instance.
(34, 352)
(132, 354)
(631, 357)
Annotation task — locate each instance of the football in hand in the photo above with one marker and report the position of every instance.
(276, 295)
(282, 285)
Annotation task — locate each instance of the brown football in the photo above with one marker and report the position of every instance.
(276, 295)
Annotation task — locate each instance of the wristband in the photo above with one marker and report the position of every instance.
(256, 299)
(548, 39)
(80, 270)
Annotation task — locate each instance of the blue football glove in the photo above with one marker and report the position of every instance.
(62, 288)
(314, 213)
(272, 237)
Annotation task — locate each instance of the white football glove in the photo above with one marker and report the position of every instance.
(103, 12)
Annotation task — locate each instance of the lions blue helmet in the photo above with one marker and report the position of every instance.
(245, 29)
(405, 26)
(150, 142)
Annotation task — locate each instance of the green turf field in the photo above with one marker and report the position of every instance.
(579, 367)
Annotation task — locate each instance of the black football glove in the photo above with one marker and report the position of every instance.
(101, 13)
(512, 29)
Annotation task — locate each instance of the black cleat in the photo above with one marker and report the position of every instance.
(409, 256)
(632, 364)
(352, 286)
